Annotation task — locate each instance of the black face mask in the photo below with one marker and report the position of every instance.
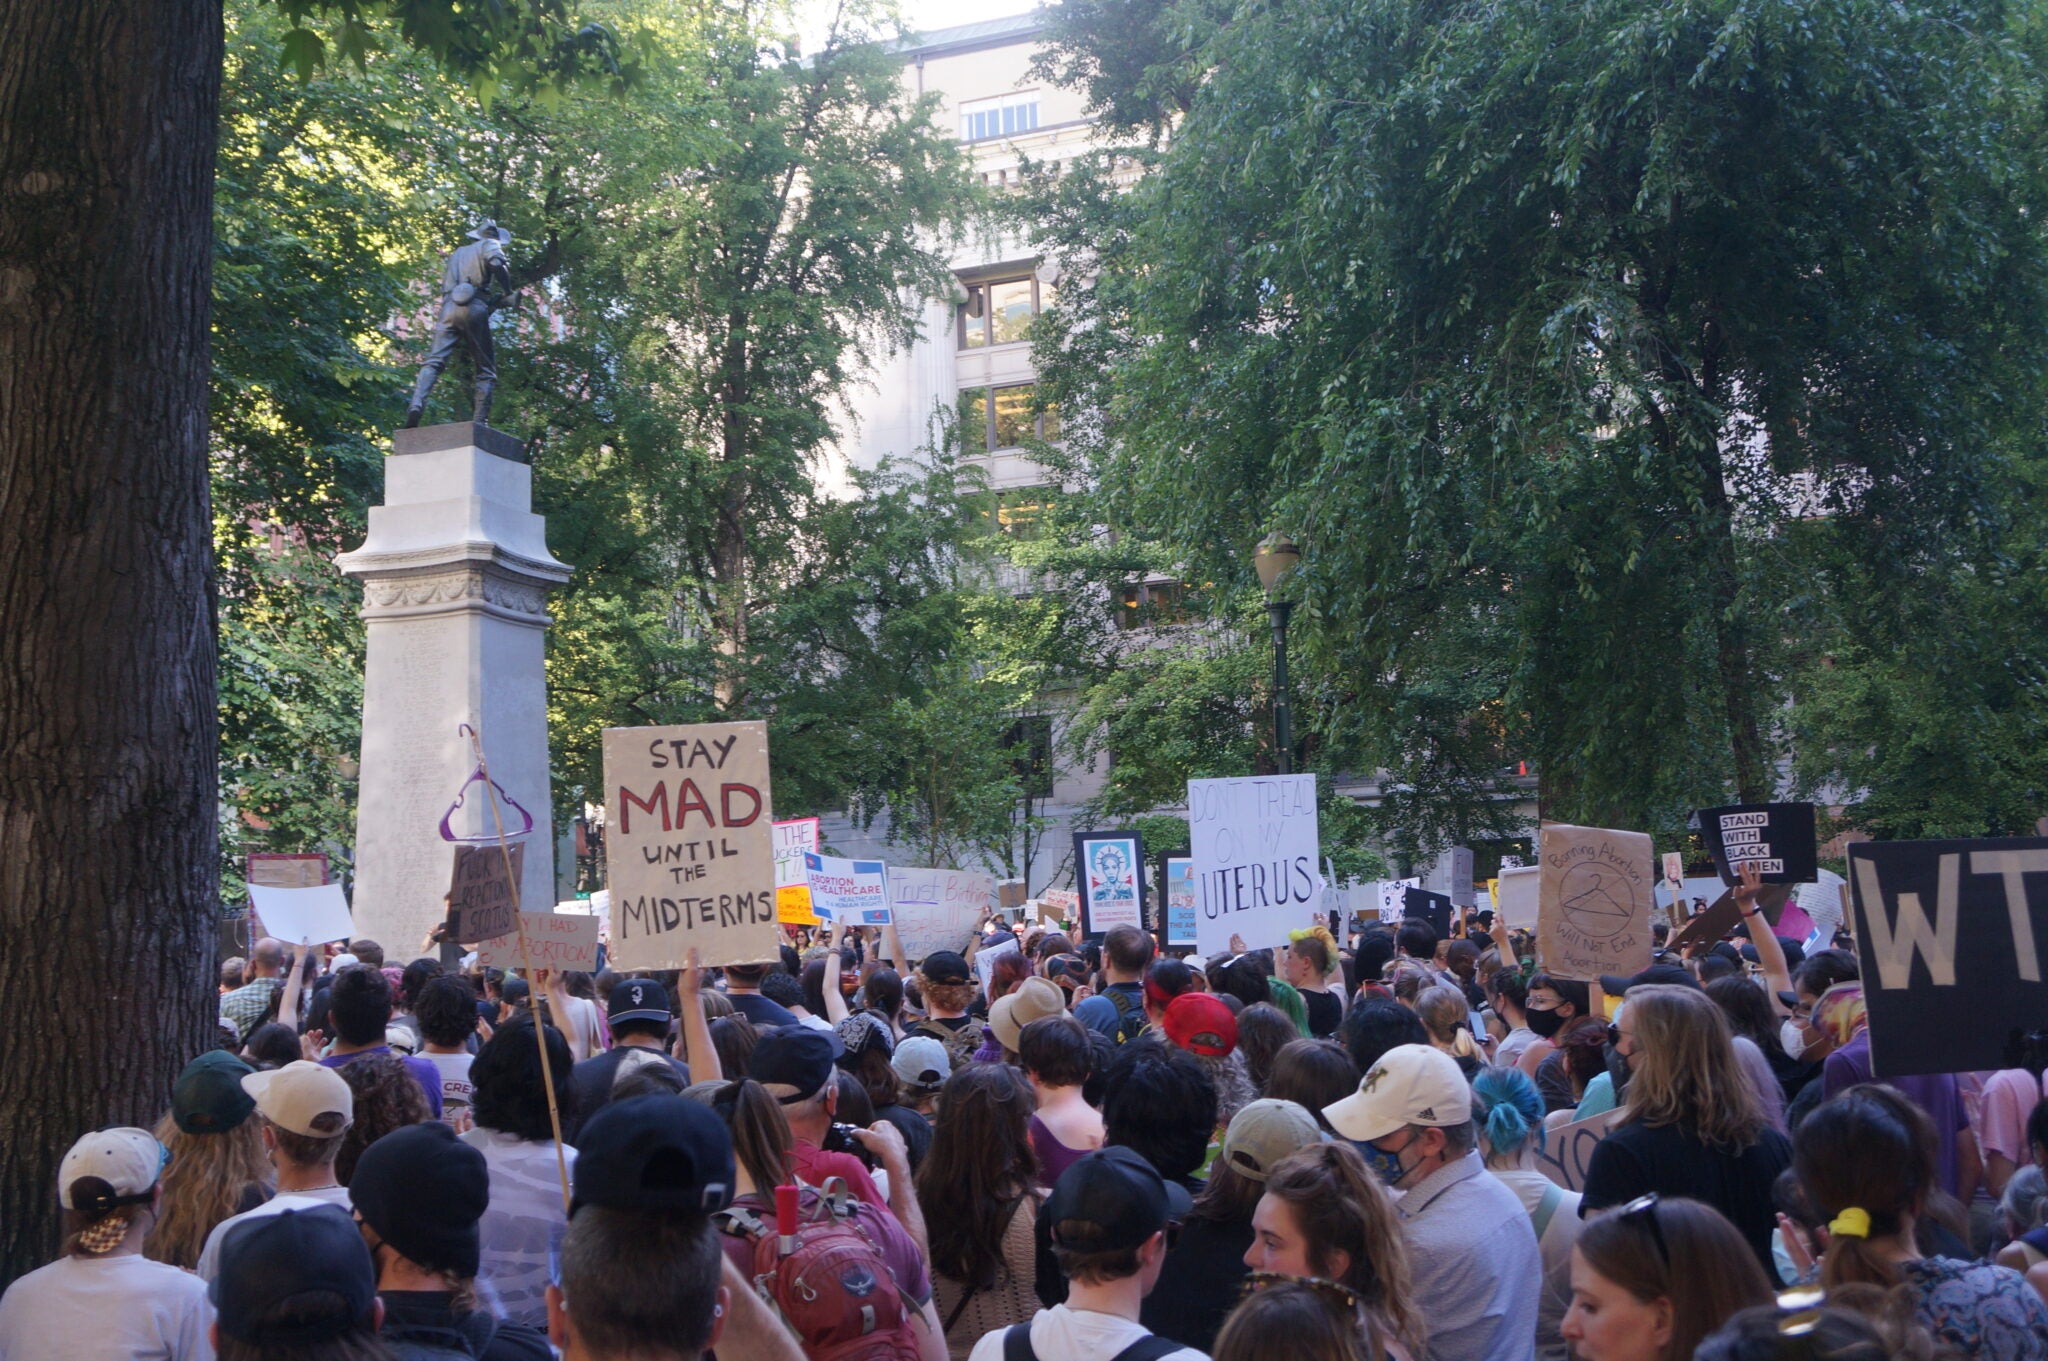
(1545, 1023)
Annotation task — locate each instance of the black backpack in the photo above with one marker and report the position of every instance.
(1130, 1014)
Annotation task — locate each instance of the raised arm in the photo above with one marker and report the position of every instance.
(694, 1044)
(1769, 953)
(288, 1003)
(835, 1005)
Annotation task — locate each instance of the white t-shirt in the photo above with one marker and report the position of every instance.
(124, 1308)
(579, 1027)
(1063, 1334)
(209, 1256)
(457, 1090)
(522, 1227)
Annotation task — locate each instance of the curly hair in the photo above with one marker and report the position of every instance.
(387, 1097)
(446, 1010)
(510, 1096)
(209, 1178)
(1340, 1206)
(1263, 1030)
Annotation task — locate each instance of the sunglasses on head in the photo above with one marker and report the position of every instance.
(1644, 1209)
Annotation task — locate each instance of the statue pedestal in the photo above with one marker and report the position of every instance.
(456, 574)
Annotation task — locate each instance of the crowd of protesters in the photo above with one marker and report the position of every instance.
(1093, 1152)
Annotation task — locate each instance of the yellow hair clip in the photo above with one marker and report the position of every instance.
(1851, 1223)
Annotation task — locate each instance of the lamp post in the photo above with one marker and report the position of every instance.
(1275, 558)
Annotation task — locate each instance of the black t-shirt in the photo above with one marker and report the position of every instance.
(760, 1010)
(424, 1317)
(1200, 1284)
(1636, 1159)
(593, 1077)
(1325, 1014)
(916, 1130)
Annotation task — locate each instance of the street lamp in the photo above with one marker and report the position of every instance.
(1275, 558)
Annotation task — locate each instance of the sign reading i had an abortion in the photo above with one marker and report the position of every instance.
(1257, 859)
(1776, 838)
(1923, 907)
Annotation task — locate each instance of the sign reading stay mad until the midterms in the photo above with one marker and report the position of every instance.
(689, 844)
(1950, 937)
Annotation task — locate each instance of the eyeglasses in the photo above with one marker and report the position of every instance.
(1332, 1292)
(1645, 1209)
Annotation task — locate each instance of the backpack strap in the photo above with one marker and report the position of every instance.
(1125, 1010)
(1017, 1343)
(1151, 1347)
(1553, 1196)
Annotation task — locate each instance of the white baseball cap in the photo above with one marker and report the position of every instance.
(110, 1167)
(294, 1096)
(1412, 1084)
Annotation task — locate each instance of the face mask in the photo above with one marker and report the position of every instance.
(1792, 1038)
(1545, 1023)
(1386, 1166)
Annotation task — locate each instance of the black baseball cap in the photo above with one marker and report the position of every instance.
(945, 967)
(639, 999)
(315, 1258)
(422, 1190)
(1616, 984)
(1119, 1194)
(658, 1152)
(794, 1062)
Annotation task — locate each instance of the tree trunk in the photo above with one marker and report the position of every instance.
(108, 843)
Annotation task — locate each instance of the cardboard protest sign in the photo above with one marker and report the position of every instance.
(938, 909)
(690, 844)
(1568, 1150)
(1775, 837)
(1058, 905)
(299, 915)
(1517, 894)
(1255, 847)
(792, 887)
(551, 940)
(850, 892)
(278, 869)
(1918, 908)
(985, 959)
(1177, 889)
(1106, 868)
(1434, 908)
(1593, 901)
(482, 900)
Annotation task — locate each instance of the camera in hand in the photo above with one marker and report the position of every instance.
(839, 1139)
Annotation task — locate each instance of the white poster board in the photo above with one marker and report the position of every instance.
(297, 916)
(985, 960)
(1393, 899)
(1516, 893)
(938, 909)
(690, 845)
(1257, 855)
(792, 840)
(553, 940)
(850, 892)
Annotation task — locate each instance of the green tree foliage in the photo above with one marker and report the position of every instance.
(1603, 355)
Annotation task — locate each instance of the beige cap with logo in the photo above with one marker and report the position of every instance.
(1412, 1084)
(296, 1095)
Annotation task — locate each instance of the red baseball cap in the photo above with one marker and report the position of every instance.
(1200, 1023)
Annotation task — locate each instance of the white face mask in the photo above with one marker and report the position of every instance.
(1792, 1038)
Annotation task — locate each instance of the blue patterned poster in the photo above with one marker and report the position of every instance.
(1106, 873)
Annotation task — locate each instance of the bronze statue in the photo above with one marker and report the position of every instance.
(473, 285)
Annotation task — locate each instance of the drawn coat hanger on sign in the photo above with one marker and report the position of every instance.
(479, 777)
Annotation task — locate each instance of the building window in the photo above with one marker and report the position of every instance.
(1000, 311)
(1001, 418)
(1005, 116)
(1020, 512)
(1152, 604)
(1030, 743)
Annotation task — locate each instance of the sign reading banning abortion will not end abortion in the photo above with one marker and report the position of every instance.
(690, 845)
(1593, 901)
(1257, 859)
(1921, 909)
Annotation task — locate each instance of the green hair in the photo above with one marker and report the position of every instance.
(1284, 996)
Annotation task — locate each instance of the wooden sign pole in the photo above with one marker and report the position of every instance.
(540, 1038)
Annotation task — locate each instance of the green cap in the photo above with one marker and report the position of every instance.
(208, 1098)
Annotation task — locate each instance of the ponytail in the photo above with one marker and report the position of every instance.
(1866, 1159)
(1510, 1110)
(760, 1132)
(1341, 1207)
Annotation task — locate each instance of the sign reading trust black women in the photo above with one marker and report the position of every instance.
(1949, 935)
(1775, 837)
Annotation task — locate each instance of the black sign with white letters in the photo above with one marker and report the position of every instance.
(1775, 837)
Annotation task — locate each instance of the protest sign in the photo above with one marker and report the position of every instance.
(551, 940)
(1516, 895)
(850, 892)
(1177, 890)
(1393, 899)
(481, 898)
(690, 845)
(1918, 908)
(938, 909)
(1821, 901)
(1059, 905)
(300, 915)
(1255, 848)
(1593, 901)
(986, 957)
(1434, 908)
(792, 887)
(1106, 876)
(1568, 1150)
(1777, 838)
(278, 869)
(1674, 866)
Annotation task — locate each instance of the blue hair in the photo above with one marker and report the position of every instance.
(1514, 1110)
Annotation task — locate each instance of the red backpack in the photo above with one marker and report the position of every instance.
(818, 1259)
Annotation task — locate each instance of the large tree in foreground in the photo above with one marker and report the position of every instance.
(107, 694)
(1611, 336)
